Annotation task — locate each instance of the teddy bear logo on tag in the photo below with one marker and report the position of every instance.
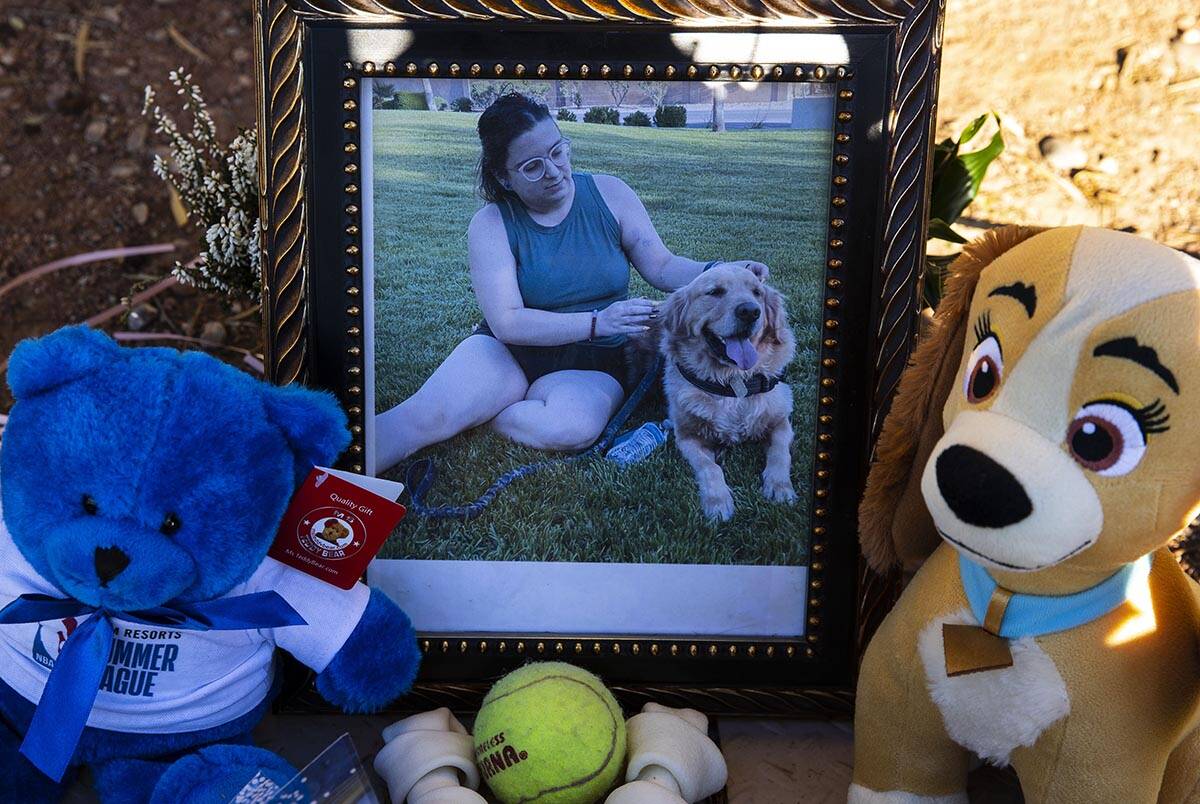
(331, 533)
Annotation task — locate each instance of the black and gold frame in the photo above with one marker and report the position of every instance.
(313, 56)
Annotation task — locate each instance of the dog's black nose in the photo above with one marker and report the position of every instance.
(980, 491)
(109, 561)
(747, 312)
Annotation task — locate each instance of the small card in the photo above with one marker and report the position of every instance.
(336, 523)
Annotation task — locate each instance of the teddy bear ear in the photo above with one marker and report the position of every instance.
(894, 526)
(313, 424)
(43, 364)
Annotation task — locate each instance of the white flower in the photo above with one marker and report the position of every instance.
(219, 186)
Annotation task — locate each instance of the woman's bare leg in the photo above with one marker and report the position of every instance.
(476, 381)
(564, 410)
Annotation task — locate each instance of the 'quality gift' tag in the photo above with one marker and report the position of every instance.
(336, 523)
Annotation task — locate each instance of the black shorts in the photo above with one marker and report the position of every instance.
(538, 361)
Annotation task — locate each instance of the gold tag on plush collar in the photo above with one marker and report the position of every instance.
(739, 387)
(974, 649)
(970, 649)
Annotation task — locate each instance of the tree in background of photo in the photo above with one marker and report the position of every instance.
(656, 92)
(381, 93)
(619, 90)
(485, 93)
(570, 93)
(717, 123)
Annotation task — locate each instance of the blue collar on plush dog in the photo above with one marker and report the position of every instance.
(74, 681)
(1036, 615)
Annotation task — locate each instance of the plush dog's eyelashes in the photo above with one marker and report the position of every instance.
(1109, 436)
(985, 367)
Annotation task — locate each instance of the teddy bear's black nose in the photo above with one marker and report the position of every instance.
(109, 561)
(980, 491)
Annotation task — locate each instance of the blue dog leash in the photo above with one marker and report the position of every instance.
(421, 474)
(74, 681)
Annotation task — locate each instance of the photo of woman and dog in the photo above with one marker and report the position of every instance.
(550, 274)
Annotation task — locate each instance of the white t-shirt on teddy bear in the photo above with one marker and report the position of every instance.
(164, 680)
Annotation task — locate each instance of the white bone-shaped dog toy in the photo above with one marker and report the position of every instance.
(671, 759)
(428, 759)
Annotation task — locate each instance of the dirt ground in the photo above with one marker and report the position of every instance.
(1117, 85)
(75, 154)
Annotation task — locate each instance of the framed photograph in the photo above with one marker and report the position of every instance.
(620, 293)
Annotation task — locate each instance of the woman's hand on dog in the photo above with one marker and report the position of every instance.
(626, 317)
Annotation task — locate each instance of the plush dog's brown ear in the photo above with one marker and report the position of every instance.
(893, 523)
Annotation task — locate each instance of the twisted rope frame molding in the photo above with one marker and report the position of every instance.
(915, 29)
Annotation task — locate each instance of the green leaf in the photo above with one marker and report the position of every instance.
(977, 162)
(951, 191)
(943, 153)
(956, 180)
(972, 129)
(941, 230)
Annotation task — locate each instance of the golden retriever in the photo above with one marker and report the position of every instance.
(725, 342)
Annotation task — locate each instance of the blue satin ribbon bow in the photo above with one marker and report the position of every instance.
(74, 682)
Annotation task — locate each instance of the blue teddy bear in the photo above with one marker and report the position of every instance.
(139, 492)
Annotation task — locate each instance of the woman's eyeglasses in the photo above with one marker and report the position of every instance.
(535, 169)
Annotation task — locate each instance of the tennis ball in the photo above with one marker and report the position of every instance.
(549, 733)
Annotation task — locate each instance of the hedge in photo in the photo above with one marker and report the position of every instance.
(602, 114)
(411, 101)
(670, 117)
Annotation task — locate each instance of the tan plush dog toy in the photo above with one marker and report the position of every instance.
(1043, 449)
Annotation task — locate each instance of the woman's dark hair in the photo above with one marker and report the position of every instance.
(508, 118)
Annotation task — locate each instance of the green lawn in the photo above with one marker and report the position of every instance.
(743, 194)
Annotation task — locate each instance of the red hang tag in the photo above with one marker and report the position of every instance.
(336, 523)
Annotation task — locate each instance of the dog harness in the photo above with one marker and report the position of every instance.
(755, 384)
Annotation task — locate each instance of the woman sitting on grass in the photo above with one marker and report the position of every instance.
(549, 257)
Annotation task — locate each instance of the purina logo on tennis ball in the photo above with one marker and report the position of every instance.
(494, 756)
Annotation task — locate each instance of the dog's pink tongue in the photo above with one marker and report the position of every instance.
(742, 352)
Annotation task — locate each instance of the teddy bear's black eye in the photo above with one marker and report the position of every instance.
(89, 505)
(170, 524)
(717, 291)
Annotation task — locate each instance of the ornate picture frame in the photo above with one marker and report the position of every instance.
(880, 61)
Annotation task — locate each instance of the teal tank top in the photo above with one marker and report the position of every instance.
(577, 264)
